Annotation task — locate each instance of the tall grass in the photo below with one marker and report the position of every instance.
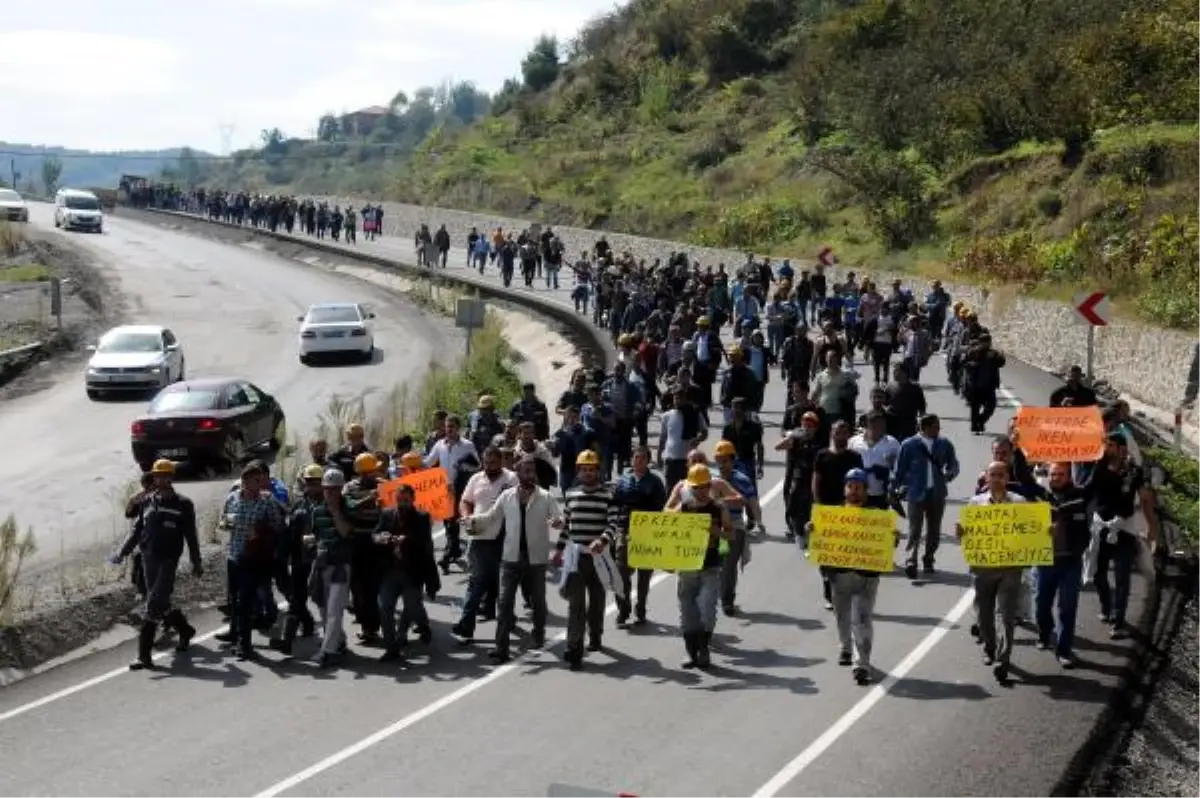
(15, 549)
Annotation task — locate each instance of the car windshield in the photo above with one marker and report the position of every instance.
(83, 203)
(339, 315)
(174, 401)
(8, 195)
(130, 342)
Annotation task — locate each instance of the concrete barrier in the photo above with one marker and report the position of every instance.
(587, 336)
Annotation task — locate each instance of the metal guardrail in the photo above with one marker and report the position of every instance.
(19, 352)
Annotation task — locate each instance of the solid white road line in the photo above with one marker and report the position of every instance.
(831, 735)
(449, 699)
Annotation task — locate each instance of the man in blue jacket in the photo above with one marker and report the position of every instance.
(925, 465)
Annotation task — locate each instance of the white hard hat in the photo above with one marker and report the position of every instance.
(333, 479)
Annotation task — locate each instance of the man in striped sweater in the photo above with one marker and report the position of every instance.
(591, 514)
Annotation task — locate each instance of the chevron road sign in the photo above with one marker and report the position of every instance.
(1092, 308)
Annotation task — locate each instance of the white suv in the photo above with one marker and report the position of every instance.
(78, 210)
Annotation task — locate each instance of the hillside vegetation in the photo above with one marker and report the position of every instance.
(342, 159)
(1050, 143)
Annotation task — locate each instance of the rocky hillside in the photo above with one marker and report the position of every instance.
(1050, 144)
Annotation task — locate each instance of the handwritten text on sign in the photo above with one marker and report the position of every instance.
(1007, 535)
(1061, 434)
(431, 492)
(852, 537)
(668, 541)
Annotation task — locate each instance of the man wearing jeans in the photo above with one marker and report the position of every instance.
(698, 591)
(1071, 535)
(483, 555)
(406, 537)
(925, 465)
(250, 515)
(528, 513)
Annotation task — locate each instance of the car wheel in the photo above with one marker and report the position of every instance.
(234, 454)
(182, 371)
(305, 360)
(93, 394)
(279, 437)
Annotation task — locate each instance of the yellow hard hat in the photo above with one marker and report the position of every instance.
(702, 321)
(313, 471)
(588, 457)
(366, 463)
(163, 467)
(725, 449)
(699, 476)
(411, 460)
(626, 339)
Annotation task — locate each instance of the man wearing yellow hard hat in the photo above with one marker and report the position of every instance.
(699, 591)
(362, 501)
(748, 514)
(591, 516)
(165, 523)
(299, 550)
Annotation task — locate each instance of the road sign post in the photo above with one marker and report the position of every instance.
(469, 314)
(1092, 310)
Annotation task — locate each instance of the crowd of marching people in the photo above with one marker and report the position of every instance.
(539, 489)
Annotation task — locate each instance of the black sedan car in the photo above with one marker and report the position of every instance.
(214, 422)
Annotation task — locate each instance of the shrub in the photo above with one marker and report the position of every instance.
(15, 549)
(1050, 203)
(1180, 493)
(11, 239)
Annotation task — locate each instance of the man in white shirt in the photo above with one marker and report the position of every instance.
(997, 588)
(483, 555)
(878, 451)
(683, 428)
(457, 456)
(528, 514)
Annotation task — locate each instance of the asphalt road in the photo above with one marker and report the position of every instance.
(233, 309)
(776, 716)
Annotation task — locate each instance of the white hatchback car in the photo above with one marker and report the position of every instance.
(337, 328)
(136, 357)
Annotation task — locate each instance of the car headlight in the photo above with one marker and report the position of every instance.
(155, 369)
(92, 370)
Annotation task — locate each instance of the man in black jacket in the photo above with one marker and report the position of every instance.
(406, 534)
(296, 560)
(1071, 534)
(166, 522)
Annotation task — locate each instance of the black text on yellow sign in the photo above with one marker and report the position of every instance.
(1007, 535)
(852, 537)
(668, 541)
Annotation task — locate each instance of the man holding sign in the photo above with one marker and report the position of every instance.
(998, 542)
(852, 544)
(699, 588)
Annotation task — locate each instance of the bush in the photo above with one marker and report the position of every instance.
(15, 549)
(11, 239)
(1050, 203)
(1179, 496)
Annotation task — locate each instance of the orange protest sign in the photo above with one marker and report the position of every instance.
(431, 492)
(1061, 434)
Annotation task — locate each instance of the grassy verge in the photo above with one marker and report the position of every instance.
(11, 239)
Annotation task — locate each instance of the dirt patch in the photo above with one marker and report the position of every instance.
(55, 627)
(89, 305)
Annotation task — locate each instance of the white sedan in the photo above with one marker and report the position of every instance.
(337, 328)
(12, 206)
(136, 357)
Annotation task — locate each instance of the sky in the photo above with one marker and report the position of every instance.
(149, 74)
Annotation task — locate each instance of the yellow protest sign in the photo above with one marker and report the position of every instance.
(1006, 535)
(852, 537)
(668, 541)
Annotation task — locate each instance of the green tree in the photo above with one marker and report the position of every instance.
(328, 128)
(189, 169)
(541, 67)
(51, 174)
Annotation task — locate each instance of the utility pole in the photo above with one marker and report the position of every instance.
(226, 130)
(12, 166)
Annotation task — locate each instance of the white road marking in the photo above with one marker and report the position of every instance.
(447, 700)
(867, 702)
(843, 724)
